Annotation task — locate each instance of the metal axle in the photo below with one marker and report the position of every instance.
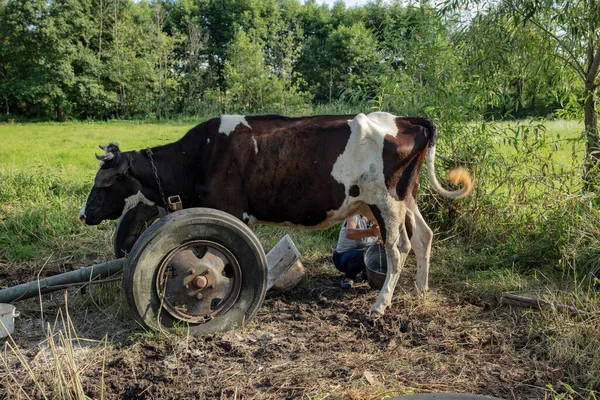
(279, 259)
(57, 282)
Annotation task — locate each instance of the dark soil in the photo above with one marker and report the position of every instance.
(11, 275)
(313, 342)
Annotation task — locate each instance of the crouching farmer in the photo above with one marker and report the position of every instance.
(356, 235)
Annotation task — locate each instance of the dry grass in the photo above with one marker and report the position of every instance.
(56, 367)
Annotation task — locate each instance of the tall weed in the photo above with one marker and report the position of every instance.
(59, 367)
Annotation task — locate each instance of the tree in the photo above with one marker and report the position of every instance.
(353, 61)
(50, 60)
(574, 28)
(186, 22)
(162, 53)
(36, 58)
(252, 84)
(418, 48)
(347, 60)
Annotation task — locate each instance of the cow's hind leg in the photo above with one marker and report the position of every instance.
(421, 239)
(397, 245)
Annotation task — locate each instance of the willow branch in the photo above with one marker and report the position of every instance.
(568, 61)
(561, 43)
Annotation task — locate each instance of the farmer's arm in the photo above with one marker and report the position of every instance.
(353, 233)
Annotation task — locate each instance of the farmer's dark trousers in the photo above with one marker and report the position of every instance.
(351, 262)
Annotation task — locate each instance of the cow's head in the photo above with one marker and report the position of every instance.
(113, 187)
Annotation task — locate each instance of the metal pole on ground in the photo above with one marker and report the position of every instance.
(62, 281)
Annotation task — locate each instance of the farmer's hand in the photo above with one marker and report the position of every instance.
(376, 231)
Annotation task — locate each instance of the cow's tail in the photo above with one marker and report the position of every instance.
(456, 176)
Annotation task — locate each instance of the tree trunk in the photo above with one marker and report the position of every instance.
(592, 162)
(60, 116)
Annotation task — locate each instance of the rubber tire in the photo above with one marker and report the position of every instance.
(168, 233)
(131, 226)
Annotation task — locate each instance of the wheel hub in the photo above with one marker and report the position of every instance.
(198, 280)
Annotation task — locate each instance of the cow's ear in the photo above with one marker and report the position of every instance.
(106, 177)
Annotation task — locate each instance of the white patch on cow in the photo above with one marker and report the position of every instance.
(134, 200)
(361, 162)
(386, 122)
(255, 144)
(208, 141)
(230, 122)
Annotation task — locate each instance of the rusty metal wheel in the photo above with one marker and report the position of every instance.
(131, 226)
(198, 281)
(199, 269)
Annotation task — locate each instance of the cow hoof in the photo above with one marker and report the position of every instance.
(377, 313)
(419, 292)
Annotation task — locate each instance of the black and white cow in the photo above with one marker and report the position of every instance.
(309, 172)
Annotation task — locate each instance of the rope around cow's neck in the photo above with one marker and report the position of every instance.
(160, 189)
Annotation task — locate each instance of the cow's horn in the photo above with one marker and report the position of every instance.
(105, 157)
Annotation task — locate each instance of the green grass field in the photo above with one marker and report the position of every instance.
(46, 171)
(526, 228)
(68, 149)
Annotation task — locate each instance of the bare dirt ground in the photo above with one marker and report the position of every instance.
(312, 342)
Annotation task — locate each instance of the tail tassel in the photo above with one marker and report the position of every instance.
(461, 175)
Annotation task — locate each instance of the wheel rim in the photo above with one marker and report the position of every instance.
(199, 280)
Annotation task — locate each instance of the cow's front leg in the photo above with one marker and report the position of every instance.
(397, 246)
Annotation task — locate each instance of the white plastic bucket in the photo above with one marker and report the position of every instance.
(8, 312)
(279, 262)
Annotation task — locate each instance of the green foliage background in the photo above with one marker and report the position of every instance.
(102, 59)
